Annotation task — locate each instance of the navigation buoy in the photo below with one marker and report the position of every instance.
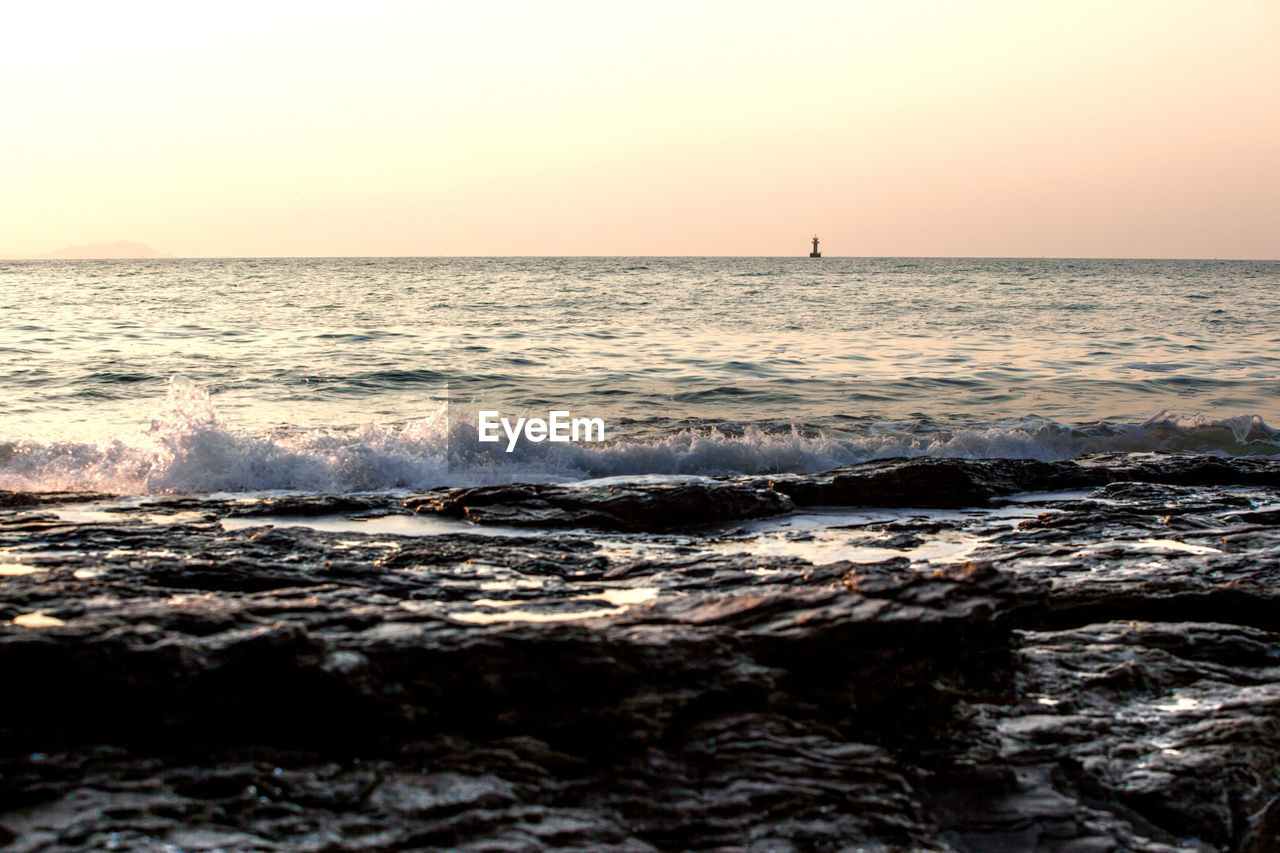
(815, 253)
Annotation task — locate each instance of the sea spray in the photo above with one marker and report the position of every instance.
(188, 448)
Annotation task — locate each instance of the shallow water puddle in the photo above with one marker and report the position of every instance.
(36, 619)
(816, 536)
(87, 516)
(520, 610)
(387, 525)
(1174, 545)
(826, 537)
(1183, 703)
(505, 586)
(532, 616)
(631, 595)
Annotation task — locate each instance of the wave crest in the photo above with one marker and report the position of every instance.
(188, 449)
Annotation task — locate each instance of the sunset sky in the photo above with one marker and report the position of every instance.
(1112, 129)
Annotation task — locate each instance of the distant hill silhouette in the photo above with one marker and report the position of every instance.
(118, 249)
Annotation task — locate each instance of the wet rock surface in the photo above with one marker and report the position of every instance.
(612, 507)
(1092, 670)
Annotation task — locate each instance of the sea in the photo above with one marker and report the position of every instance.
(353, 375)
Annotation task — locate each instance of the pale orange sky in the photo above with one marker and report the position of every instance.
(1112, 129)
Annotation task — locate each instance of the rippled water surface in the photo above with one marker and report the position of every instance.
(337, 368)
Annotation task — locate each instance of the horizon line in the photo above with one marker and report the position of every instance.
(14, 257)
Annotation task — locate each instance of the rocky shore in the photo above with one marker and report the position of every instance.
(619, 667)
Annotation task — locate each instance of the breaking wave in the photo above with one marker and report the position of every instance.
(189, 449)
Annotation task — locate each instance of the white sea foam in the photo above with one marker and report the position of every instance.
(189, 449)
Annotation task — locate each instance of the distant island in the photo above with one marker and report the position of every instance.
(118, 249)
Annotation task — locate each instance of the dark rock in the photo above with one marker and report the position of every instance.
(1097, 673)
(620, 507)
(929, 482)
(1263, 834)
(27, 499)
(313, 505)
(1269, 517)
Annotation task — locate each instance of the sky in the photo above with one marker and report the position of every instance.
(1121, 128)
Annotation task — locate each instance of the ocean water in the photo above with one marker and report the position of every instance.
(358, 375)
